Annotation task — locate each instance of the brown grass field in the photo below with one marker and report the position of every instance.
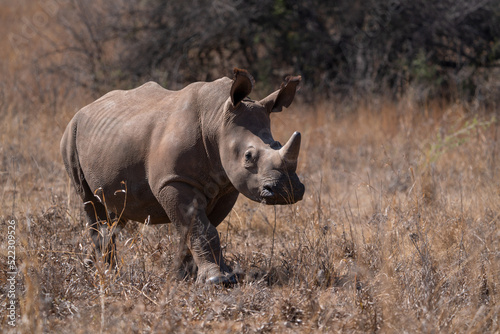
(398, 230)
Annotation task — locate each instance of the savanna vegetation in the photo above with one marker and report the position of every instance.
(399, 227)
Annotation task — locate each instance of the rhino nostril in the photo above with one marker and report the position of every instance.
(267, 191)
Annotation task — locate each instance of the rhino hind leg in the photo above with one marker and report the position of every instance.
(103, 233)
(102, 225)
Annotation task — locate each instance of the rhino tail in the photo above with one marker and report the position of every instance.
(71, 160)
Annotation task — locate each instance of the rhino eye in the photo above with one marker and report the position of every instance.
(248, 156)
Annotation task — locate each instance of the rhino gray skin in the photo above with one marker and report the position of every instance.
(184, 157)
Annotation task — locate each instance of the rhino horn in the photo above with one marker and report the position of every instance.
(290, 152)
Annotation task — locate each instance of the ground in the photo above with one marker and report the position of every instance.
(398, 232)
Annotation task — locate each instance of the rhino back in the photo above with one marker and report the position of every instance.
(146, 136)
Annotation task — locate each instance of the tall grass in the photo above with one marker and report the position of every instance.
(398, 231)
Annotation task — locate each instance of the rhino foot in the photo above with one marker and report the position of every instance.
(225, 281)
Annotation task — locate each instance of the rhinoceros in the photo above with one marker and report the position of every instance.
(153, 155)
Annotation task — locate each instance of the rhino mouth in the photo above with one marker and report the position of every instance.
(274, 194)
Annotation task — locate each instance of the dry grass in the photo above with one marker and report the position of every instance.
(398, 230)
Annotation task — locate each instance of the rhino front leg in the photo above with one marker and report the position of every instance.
(184, 265)
(185, 207)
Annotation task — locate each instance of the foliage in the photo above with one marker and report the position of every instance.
(339, 47)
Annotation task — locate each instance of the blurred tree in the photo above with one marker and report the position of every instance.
(444, 48)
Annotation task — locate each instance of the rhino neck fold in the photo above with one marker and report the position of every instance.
(212, 119)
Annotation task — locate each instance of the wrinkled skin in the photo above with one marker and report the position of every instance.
(183, 157)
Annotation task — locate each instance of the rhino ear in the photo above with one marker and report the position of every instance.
(242, 86)
(283, 97)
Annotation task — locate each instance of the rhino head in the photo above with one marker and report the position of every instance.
(258, 166)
